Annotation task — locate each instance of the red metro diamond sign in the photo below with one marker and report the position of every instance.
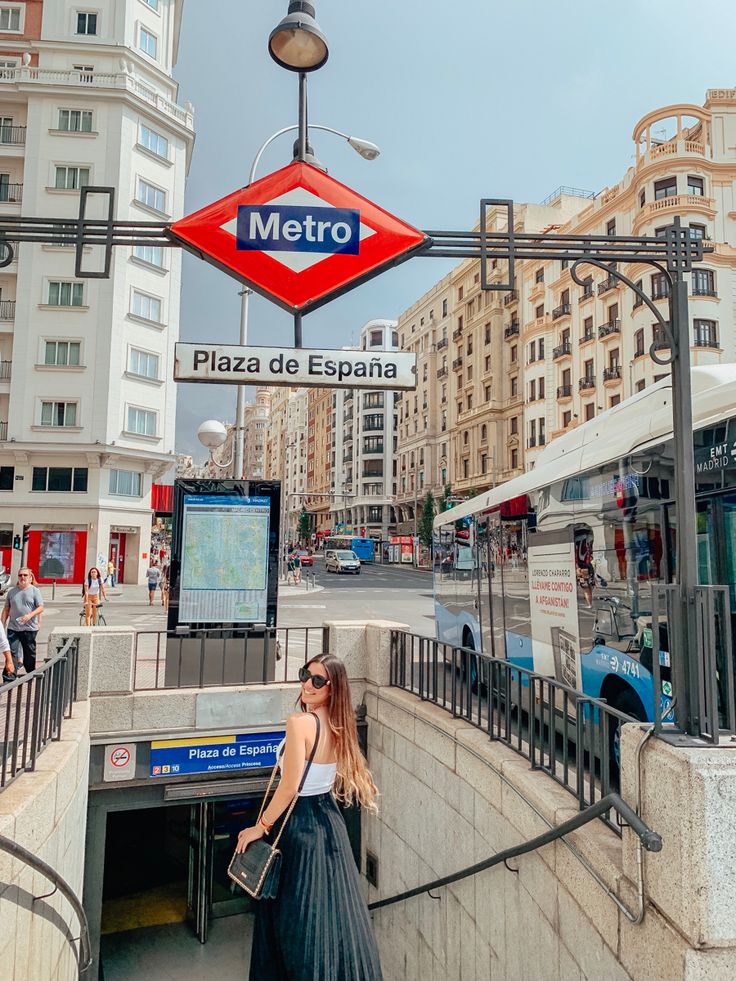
(298, 237)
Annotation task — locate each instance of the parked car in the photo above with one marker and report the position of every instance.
(342, 561)
(305, 558)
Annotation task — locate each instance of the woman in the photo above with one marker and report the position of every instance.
(94, 589)
(318, 927)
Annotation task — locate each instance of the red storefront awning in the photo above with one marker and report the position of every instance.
(162, 498)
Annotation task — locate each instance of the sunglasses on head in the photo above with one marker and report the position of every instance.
(318, 680)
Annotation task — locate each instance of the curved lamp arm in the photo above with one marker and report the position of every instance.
(360, 146)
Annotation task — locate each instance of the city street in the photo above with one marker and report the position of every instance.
(390, 592)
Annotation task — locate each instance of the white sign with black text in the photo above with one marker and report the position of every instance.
(234, 364)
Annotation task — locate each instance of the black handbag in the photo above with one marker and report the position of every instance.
(257, 869)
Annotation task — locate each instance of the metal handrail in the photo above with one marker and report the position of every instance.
(84, 957)
(649, 839)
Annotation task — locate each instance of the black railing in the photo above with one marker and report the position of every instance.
(442, 372)
(13, 135)
(32, 710)
(7, 309)
(561, 350)
(511, 297)
(572, 738)
(586, 382)
(613, 373)
(564, 391)
(612, 327)
(587, 293)
(457, 363)
(588, 335)
(12, 193)
(218, 657)
(705, 342)
(3, 431)
(458, 332)
(704, 291)
(511, 330)
(562, 310)
(608, 284)
(5, 369)
(441, 343)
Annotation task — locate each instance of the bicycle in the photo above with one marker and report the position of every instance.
(101, 622)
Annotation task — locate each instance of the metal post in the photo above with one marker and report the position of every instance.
(302, 140)
(238, 471)
(297, 330)
(684, 658)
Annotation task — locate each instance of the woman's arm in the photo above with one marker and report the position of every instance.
(103, 594)
(299, 728)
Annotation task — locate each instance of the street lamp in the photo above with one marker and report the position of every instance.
(212, 434)
(297, 43)
(368, 151)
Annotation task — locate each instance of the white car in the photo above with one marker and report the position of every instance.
(341, 560)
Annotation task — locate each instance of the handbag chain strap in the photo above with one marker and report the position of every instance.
(296, 795)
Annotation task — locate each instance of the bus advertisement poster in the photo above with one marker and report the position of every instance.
(554, 611)
(213, 754)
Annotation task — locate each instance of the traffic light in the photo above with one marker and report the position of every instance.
(16, 542)
(26, 535)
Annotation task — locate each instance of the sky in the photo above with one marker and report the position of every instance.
(471, 99)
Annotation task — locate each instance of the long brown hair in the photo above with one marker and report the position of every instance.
(353, 783)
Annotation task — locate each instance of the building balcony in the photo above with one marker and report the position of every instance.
(78, 79)
(511, 330)
(457, 363)
(457, 333)
(11, 193)
(375, 449)
(588, 335)
(564, 392)
(538, 323)
(562, 350)
(511, 297)
(442, 372)
(347, 458)
(563, 310)
(3, 431)
(709, 342)
(612, 374)
(677, 203)
(586, 383)
(612, 327)
(587, 294)
(531, 442)
(7, 309)
(6, 367)
(536, 290)
(12, 135)
(610, 283)
(700, 290)
(442, 343)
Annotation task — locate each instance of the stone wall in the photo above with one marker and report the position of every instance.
(46, 812)
(450, 798)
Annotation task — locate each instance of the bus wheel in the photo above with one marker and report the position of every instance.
(468, 664)
(629, 703)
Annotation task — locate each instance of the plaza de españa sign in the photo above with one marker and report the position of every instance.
(298, 237)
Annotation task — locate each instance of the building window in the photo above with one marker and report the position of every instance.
(126, 483)
(695, 185)
(660, 286)
(611, 227)
(86, 73)
(640, 386)
(614, 400)
(639, 343)
(143, 363)
(375, 514)
(589, 411)
(71, 178)
(539, 312)
(487, 363)
(706, 333)
(59, 414)
(533, 390)
(72, 479)
(539, 275)
(141, 421)
(459, 292)
(642, 198)
(153, 4)
(444, 308)
(514, 353)
(152, 197)
(532, 352)
(86, 23)
(154, 142)
(147, 307)
(566, 419)
(666, 188)
(395, 337)
(704, 282)
(147, 42)
(10, 18)
(75, 120)
(66, 294)
(487, 393)
(514, 425)
(151, 254)
(487, 334)
(697, 231)
(514, 387)
(540, 388)
(373, 400)
(61, 353)
(514, 459)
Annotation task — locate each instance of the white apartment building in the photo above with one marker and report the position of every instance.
(255, 434)
(364, 450)
(294, 487)
(87, 411)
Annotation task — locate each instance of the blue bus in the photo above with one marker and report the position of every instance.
(363, 547)
(554, 570)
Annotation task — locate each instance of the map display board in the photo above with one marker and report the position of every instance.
(224, 559)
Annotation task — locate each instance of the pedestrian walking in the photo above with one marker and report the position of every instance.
(154, 577)
(111, 573)
(165, 573)
(20, 617)
(94, 591)
(9, 666)
(318, 926)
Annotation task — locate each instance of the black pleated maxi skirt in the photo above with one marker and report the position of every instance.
(318, 927)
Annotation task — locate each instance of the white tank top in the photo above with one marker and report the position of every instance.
(93, 588)
(320, 778)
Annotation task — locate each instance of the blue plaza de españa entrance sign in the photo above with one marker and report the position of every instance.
(213, 754)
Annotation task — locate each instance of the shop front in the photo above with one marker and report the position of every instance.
(57, 554)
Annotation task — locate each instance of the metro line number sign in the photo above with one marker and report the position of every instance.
(298, 237)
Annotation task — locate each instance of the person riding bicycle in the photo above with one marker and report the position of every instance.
(94, 590)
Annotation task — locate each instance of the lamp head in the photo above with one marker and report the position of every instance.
(211, 434)
(367, 150)
(297, 43)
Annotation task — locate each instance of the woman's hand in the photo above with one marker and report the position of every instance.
(247, 835)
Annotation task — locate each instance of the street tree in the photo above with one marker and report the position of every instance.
(305, 525)
(425, 522)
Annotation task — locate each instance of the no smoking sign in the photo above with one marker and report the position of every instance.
(119, 762)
